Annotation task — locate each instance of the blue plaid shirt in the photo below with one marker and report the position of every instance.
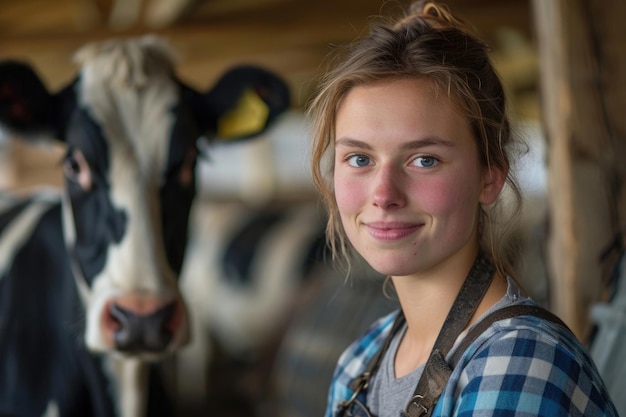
(523, 366)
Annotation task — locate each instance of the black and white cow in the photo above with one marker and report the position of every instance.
(88, 277)
(248, 267)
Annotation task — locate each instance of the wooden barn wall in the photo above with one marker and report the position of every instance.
(290, 36)
(582, 46)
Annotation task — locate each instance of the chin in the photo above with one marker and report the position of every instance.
(392, 267)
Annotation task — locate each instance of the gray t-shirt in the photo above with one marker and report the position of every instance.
(388, 395)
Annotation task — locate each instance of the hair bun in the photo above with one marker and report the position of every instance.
(436, 14)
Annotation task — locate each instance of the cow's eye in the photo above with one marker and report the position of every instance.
(186, 170)
(76, 169)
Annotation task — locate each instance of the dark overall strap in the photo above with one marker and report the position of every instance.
(469, 297)
(422, 404)
(361, 381)
(502, 314)
(436, 371)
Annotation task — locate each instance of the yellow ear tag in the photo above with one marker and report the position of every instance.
(246, 119)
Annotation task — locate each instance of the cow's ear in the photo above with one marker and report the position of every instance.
(25, 104)
(242, 104)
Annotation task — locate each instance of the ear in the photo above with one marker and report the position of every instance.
(493, 179)
(242, 104)
(26, 107)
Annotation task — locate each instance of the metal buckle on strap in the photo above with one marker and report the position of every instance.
(363, 383)
(415, 401)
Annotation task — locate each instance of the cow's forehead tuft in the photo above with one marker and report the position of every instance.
(128, 63)
(129, 89)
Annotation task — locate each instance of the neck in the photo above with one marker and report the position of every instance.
(426, 300)
(427, 296)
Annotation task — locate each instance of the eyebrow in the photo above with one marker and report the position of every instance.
(414, 144)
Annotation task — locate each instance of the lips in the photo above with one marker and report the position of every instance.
(390, 231)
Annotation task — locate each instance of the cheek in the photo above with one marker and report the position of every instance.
(348, 194)
(447, 197)
(350, 203)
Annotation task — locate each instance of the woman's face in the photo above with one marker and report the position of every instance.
(407, 178)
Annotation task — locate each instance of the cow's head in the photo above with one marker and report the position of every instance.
(131, 129)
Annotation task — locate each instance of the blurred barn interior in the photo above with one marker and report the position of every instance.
(266, 342)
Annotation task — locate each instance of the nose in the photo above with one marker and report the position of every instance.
(388, 189)
(143, 323)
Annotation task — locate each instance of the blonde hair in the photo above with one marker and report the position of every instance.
(428, 42)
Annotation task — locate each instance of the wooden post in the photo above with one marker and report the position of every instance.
(582, 52)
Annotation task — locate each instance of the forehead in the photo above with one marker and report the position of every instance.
(129, 92)
(407, 108)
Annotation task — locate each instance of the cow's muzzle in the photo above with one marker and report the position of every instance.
(142, 332)
(141, 323)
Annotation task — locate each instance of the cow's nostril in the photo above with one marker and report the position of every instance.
(142, 332)
(112, 320)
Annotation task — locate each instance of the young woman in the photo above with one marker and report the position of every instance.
(411, 154)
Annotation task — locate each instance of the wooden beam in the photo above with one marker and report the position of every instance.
(581, 50)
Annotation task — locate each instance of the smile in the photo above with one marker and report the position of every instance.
(391, 231)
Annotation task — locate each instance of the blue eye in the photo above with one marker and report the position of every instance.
(358, 160)
(425, 161)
